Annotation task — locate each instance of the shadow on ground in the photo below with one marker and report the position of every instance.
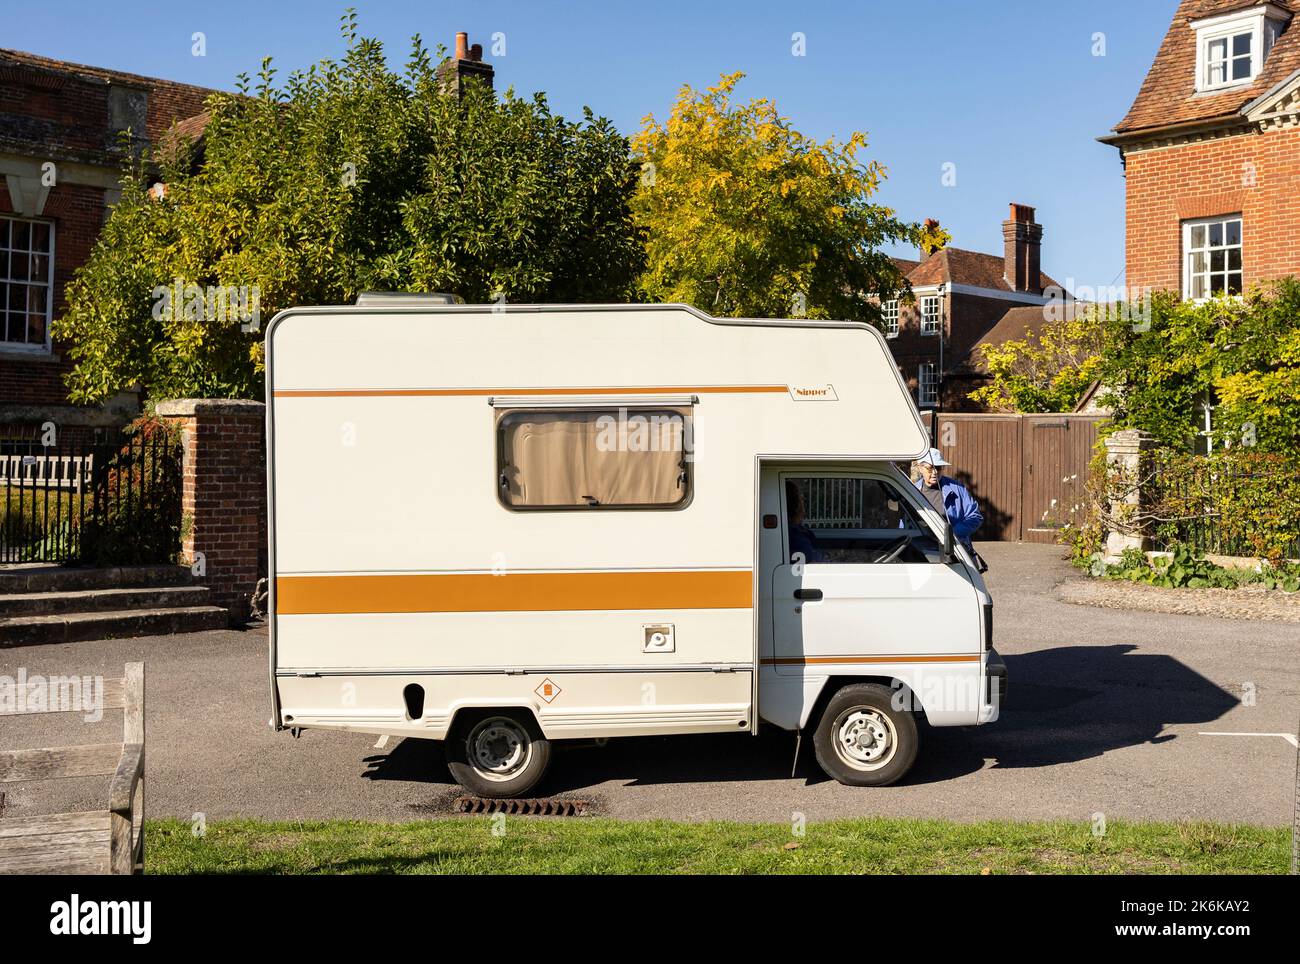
(1065, 704)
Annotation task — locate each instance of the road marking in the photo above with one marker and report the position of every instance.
(1289, 737)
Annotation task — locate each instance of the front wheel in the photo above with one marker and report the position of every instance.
(498, 754)
(862, 740)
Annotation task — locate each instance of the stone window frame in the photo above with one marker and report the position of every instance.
(889, 315)
(1208, 249)
(927, 389)
(931, 321)
(8, 284)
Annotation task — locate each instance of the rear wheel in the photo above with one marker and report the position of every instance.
(500, 753)
(862, 740)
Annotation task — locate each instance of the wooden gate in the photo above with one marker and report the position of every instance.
(1028, 471)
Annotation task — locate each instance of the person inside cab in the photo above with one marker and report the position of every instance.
(803, 543)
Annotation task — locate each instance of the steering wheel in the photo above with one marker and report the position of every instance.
(892, 550)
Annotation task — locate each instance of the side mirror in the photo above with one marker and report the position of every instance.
(949, 554)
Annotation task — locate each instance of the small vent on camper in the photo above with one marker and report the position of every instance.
(407, 299)
(533, 807)
(414, 696)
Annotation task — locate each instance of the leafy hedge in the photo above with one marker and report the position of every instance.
(1241, 354)
(1239, 502)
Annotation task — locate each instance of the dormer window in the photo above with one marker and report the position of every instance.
(1227, 59)
(1231, 47)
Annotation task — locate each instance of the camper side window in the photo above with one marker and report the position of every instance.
(594, 459)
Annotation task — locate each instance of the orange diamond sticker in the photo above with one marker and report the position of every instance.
(548, 690)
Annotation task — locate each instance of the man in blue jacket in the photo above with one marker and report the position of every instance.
(949, 497)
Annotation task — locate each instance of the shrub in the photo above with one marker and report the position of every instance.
(1187, 568)
(1236, 502)
(135, 518)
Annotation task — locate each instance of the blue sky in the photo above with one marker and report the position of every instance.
(1009, 91)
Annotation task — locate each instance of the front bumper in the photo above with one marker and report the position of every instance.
(995, 686)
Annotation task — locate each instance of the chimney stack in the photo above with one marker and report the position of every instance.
(930, 247)
(1023, 242)
(466, 61)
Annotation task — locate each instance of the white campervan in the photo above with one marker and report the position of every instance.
(502, 526)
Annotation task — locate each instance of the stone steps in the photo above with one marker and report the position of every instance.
(109, 624)
(42, 604)
(42, 577)
(14, 605)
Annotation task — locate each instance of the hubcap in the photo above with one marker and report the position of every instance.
(499, 747)
(865, 738)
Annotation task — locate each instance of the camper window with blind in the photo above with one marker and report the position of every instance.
(594, 458)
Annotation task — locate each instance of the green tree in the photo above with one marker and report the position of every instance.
(346, 178)
(744, 215)
(1048, 372)
(1242, 354)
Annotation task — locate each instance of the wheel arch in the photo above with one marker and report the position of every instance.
(834, 684)
(468, 713)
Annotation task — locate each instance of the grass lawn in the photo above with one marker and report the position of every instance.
(584, 845)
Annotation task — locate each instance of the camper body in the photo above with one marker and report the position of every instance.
(503, 526)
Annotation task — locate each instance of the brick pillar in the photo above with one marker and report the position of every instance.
(1127, 463)
(224, 494)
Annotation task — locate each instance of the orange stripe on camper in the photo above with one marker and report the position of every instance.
(513, 592)
(610, 390)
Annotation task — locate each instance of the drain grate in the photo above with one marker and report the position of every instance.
(533, 807)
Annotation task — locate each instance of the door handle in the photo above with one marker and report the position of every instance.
(812, 594)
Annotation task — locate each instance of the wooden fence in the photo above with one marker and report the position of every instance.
(1028, 472)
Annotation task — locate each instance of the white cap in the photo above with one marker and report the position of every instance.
(934, 457)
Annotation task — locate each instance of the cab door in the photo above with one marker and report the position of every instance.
(862, 578)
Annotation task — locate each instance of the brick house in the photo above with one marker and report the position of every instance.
(61, 155)
(962, 299)
(1211, 151)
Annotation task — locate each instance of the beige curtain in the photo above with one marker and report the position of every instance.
(571, 458)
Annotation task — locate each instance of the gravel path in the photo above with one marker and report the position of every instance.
(1248, 602)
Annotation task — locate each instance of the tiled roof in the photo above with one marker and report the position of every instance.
(187, 129)
(905, 265)
(1168, 94)
(962, 267)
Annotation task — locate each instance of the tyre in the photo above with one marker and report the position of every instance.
(861, 740)
(499, 753)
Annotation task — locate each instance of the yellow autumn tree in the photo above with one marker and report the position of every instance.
(745, 216)
(1049, 371)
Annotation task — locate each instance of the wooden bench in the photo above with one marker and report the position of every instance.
(99, 842)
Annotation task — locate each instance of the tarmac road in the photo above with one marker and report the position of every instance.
(1105, 715)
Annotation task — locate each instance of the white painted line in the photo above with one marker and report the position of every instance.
(1289, 737)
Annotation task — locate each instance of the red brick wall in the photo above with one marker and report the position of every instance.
(58, 112)
(967, 318)
(42, 106)
(48, 99)
(1172, 184)
(170, 102)
(224, 494)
